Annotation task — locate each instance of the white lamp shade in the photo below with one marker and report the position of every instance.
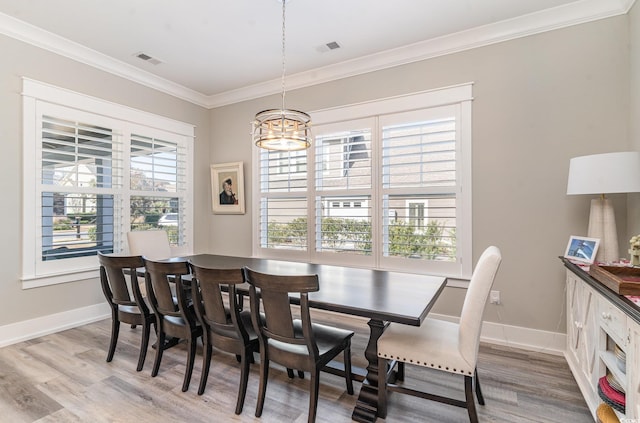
(607, 173)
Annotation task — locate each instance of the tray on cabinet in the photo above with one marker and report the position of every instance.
(623, 280)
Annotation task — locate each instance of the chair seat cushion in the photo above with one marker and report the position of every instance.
(433, 344)
(328, 338)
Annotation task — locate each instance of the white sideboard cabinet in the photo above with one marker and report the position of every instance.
(603, 338)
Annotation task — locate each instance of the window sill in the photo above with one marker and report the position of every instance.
(37, 281)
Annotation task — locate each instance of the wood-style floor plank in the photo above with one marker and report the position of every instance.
(63, 377)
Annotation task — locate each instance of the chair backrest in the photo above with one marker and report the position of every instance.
(114, 282)
(153, 244)
(158, 277)
(209, 303)
(475, 302)
(274, 298)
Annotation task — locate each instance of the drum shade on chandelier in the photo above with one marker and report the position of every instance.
(282, 129)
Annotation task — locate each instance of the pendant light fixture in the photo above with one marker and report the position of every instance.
(282, 129)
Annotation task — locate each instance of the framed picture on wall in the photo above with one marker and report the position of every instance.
(227, 188)
(582, 249)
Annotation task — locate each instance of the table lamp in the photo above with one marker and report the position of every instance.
(602, 174)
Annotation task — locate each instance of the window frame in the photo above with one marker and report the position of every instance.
(39, 96)
(460, 97)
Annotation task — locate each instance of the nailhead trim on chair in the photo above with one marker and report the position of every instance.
(422, 364)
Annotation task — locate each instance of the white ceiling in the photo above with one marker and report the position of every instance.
(215, 52)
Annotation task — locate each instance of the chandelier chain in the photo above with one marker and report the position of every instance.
(283, 51)
(284, 129)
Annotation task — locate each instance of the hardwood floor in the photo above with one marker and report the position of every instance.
(63, 377)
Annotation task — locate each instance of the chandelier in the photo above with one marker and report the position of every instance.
(282, 129)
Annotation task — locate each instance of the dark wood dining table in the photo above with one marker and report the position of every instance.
(381, 296)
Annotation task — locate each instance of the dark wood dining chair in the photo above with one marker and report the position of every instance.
(175, 316)
(441, 345)
(125, 299)
(227, 329)
(293, 343)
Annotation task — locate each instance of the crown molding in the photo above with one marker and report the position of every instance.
(38, 37)
(579, 12)
(546, 20)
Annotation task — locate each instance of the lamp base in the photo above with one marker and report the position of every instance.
(602, 225)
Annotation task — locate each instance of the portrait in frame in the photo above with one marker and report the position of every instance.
(227, 188)
(582, 249)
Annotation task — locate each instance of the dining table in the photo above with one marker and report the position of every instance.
(381, 296)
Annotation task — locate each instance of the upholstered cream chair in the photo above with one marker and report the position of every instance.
(153, 245)
(441, 345)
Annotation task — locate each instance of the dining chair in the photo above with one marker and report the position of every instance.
(227, 329)
(175, 316)
(440, 345)
(152, 244)
(293, 343)
(125, 299)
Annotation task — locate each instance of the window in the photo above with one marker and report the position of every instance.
(382, 187)
(100, 170)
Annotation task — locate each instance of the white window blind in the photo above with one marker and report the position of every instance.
(91, 174)
(343, 177)
(282, 205)
(385, 187)
(79, 162)
(420, 185)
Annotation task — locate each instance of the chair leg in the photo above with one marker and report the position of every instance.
(471, 404)
(193, 342)
(478, 390)
(382, 388)
(159, 350)
(264, 374)
(314, 386)
(144, 344)
(400, 372)
(244, 378)
(347, 369)
(115, 330)
(206, 364)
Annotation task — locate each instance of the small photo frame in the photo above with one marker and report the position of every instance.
(582, 249)
(227, 188)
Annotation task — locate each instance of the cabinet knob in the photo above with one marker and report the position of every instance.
(606, 316)
(578, 324)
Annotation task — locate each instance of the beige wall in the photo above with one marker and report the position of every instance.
(538, 101)
(18, 60)
(633, 207)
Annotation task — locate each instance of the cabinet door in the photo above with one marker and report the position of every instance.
(573, 313)
(582, 334)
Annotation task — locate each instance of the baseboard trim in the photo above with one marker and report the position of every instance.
(45, 325)
(492, 333)
(518, 337)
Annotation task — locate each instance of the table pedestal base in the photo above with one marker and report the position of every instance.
(367, 404)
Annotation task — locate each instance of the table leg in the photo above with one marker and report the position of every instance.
(367, 404)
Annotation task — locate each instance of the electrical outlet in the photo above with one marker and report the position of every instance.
(494, 297)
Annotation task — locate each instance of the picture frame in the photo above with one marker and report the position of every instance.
(227, 188)
(582, 249)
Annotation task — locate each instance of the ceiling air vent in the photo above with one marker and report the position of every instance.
(148, 58)
(333, 45)
(323, 48)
